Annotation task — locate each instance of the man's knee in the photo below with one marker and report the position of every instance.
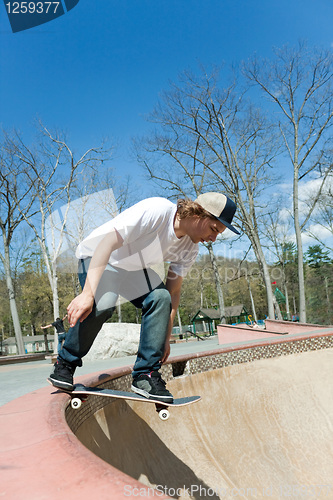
(160, 297)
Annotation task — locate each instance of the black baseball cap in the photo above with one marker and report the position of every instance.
(220, 206)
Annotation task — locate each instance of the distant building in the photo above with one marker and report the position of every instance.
(32, 344)
(206, 319)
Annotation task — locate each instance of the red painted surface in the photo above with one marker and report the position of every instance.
(275, 331)
(41, 459)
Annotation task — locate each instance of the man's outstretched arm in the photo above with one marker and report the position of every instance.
(82, 305)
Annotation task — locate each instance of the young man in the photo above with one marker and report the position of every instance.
(117, 259)
(59, 326)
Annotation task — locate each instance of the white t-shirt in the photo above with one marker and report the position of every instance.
(147, 229)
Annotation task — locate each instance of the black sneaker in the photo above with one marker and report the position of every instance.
(62, 375)
(152, 386)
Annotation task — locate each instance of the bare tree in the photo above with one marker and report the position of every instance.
(52, 170)
(299, 84)
(213, 138)
(16, 200)
(244, 272)
(279, 244)
(186, 177)
(322, 220)
(99, 197)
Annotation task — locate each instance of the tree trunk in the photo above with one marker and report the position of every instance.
(252, 300)
(300, 265)
(287, 301)
(56, 311)
(12, 304)
(277, 308)
(119, 312)
(327, 299)
(265, 273)
(179, 323)
(218, 285)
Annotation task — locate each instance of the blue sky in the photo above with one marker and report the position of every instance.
(98, 70)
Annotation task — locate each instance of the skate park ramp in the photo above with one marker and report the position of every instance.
(263, 429)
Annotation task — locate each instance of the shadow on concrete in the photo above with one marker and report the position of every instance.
(124, 440)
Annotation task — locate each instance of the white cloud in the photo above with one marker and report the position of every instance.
(319, 232)
(284, 215)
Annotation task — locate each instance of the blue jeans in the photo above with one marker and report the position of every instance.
(145, 290)
(61, 338)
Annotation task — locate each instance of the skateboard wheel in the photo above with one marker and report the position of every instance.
(164, 414)
(76, 403)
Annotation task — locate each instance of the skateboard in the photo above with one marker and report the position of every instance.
(80, 392)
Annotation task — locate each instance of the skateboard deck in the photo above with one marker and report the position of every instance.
(80, 391)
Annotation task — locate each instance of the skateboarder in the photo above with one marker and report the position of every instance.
(59, 326)
(117, 259)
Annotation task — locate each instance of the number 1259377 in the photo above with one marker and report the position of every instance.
(32, 7)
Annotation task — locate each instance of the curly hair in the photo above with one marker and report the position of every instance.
(189, 208)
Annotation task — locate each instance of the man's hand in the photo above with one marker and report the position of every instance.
(166, 353)
(79, 308)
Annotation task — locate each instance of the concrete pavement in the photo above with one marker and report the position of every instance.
(19, 379)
